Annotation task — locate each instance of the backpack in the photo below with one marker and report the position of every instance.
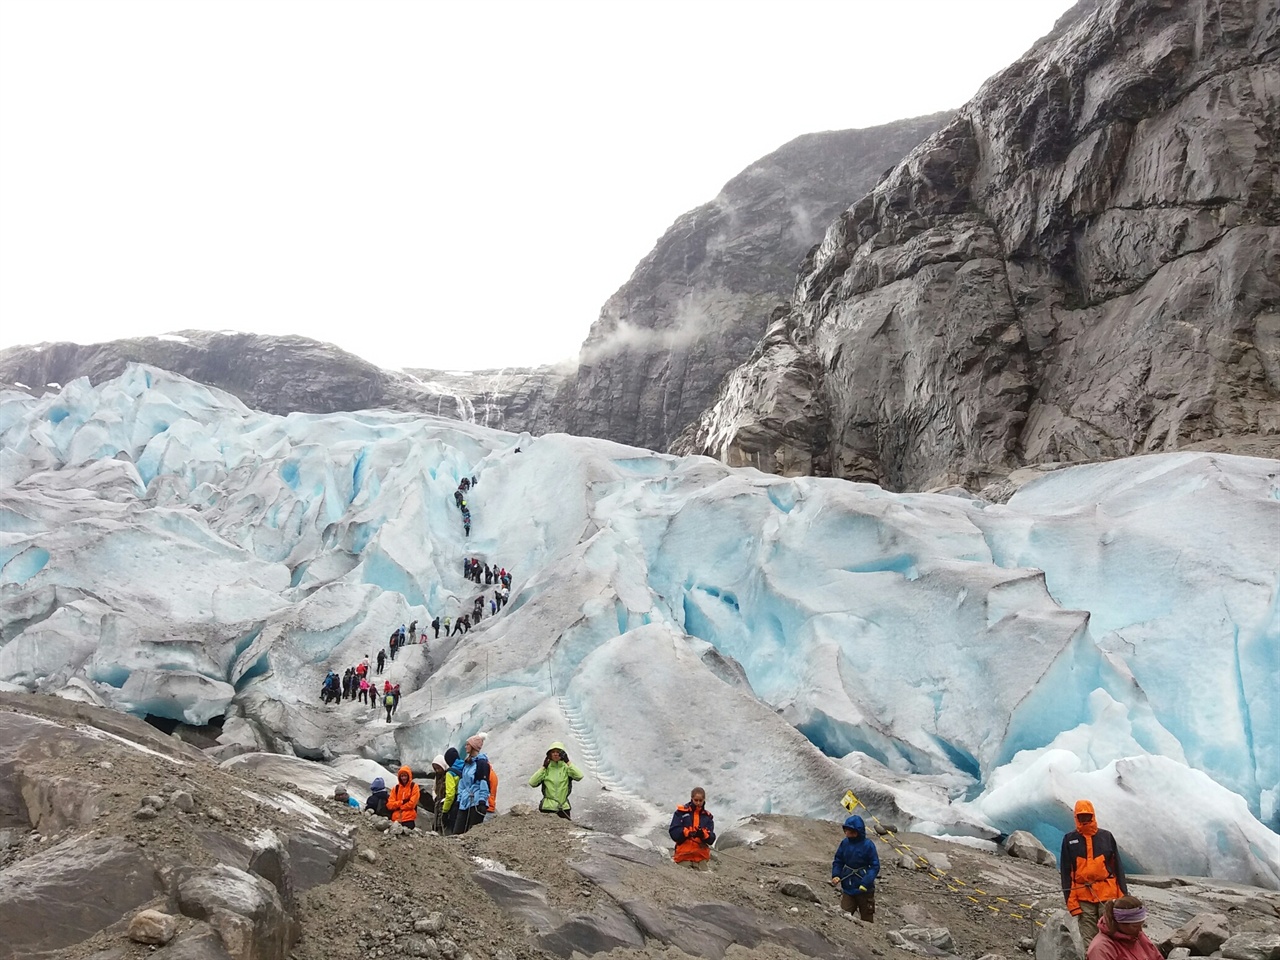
(389, 700)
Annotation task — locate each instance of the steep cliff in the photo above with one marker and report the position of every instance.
(295, 374)
(696, 305)
(1083, 264)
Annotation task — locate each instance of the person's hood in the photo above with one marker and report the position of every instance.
(378, 784)
(855, 823)
(405, 772)
(440, 762)
(1091, 827)
(557, 746)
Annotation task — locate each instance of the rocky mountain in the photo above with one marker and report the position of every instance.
(1084, 263)
(697, 304)
(289, 374)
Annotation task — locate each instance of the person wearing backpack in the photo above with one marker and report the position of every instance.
(377, 801)
(556, 777)
(449, 807)
(473, 786)
(389, 701)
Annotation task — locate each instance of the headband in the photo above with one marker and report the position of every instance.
(1129, 914)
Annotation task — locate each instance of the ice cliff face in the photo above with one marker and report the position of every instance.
(1083, 264)
(285, 375)
(1111, 632)
(697, 304)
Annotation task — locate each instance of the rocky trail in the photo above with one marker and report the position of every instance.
(103, 817)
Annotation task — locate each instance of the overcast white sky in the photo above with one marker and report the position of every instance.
(438, 184)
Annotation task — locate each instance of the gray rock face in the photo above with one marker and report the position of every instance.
(1025, 846)
(697, 304)
(1202, 934)
(1059, 938)
(243, 908)
(1082, 264)
(71, 891)
(286, 374)
(1252, 946)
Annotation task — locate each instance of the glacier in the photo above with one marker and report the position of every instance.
(968, 668)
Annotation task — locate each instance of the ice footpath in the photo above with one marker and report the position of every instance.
(969, 668)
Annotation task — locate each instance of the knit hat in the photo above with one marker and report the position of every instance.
(450, 756)
(476, 743)
(378, 784)
(339, 793)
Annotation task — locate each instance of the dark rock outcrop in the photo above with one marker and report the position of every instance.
(1083, 264)
(697, 304)
(284, 375)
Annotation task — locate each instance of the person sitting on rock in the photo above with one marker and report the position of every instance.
(1119, 935)
(341, 795)
(693, 828)
(378, 795)
(854, 870)
(556, 778)
(403, 799)
(1091, 871)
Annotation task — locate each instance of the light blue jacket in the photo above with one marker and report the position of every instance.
(473, 791)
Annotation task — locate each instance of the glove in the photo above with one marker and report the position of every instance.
(706, 834)
(862, 889)
(546, 762)
(688, 832)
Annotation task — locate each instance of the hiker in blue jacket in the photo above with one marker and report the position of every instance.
(473, 785)
(855, 868)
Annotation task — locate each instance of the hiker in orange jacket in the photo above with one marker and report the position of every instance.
(694, 830)
(1091, 870)
(403, 801)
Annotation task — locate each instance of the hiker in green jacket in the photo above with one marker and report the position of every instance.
(556, 779)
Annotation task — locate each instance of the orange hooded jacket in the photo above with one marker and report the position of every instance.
(1090, 863)
(403, 801)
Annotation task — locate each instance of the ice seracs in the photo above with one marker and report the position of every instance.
(1111, 631)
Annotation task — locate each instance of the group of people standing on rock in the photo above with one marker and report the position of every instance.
(460, 501)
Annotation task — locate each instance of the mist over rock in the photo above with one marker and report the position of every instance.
(697, 304)
(1083, 264)
(289, 374)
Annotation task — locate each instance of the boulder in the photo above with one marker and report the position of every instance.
(244, 909)
(201, 942)
(795, 887)
(925, 941)
(1025, 846)
(1059, 938)
(69, 892)
(152, 926)
(1252, 946)
(1202, 935)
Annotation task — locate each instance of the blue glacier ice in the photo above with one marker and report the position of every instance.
(1113, 631)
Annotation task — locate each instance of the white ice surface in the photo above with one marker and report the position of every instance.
(962, 664)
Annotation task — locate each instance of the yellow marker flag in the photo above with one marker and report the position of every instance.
(850, 802)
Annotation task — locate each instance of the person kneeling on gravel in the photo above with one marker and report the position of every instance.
(403, 800)
(855, 868)
(378, 795)
(341, 796)
(556, 779)
(694, 830)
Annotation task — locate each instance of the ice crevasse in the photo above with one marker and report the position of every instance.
(1112, 631)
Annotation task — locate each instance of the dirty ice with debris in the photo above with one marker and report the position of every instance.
(967, 668)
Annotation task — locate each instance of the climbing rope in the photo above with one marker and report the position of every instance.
(950, 881)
